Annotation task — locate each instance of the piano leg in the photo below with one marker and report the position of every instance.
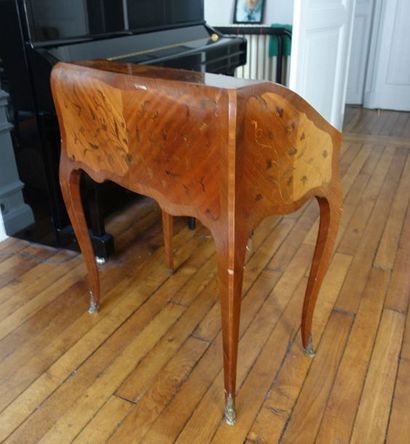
(70, 187)
(231, 260)
(191, 223)
(103, 242)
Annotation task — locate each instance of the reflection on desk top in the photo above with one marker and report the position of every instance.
(156, 72)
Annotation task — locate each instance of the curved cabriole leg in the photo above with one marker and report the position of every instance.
(168, 231)
(70, 187)
(330, 211)
(231, 259)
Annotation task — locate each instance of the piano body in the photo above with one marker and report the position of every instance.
(36, 34)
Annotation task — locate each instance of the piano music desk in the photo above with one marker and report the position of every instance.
(226, 151)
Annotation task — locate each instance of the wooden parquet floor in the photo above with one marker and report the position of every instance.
(148, 367)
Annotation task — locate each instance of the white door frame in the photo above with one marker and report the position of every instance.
(3, 234)
(388, 76)
(359, 57)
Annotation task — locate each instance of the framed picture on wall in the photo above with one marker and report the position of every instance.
(248, 11)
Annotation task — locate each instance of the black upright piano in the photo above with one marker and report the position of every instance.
(36, 34)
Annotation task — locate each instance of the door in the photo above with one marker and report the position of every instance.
(321, 41)
(388, 79)
(362, 25)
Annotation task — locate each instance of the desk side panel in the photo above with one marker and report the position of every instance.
(287, 152)
(157, 137)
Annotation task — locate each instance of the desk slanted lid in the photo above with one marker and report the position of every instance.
(161, 73)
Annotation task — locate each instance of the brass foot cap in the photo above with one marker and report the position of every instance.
(309, 351)
(230, 412)
(94, 306)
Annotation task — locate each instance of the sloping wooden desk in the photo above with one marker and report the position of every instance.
(226, 151)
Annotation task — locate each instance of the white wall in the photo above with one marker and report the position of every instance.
(220, 12)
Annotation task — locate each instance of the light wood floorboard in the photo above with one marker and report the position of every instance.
(148, 367)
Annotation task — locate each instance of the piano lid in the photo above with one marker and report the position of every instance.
(126, 47)
(56, 20)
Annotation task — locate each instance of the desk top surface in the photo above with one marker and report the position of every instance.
(171, 74)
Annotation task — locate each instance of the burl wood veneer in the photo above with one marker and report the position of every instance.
(225, 151)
